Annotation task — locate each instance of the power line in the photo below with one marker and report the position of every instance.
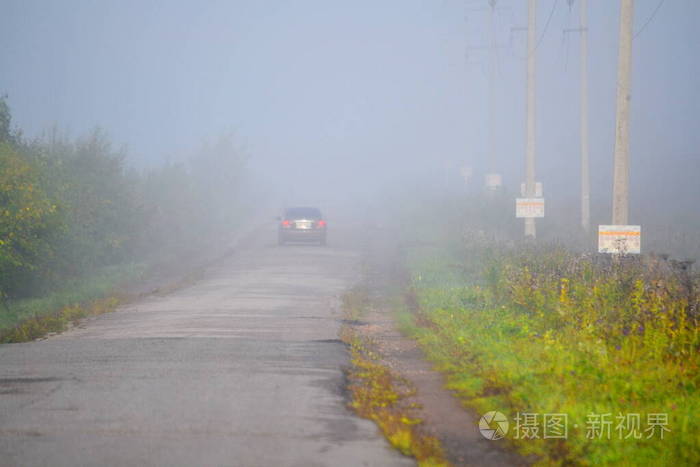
(544, 32)
(658, 7)
(546, 25)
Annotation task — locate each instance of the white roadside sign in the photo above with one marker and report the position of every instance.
(529, 207)
(493, 181)
(620, 239)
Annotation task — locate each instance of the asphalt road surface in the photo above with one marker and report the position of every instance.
(242, 368)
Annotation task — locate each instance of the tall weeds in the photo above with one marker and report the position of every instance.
(545, 329)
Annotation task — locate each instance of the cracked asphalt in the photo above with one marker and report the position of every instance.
(242, 368)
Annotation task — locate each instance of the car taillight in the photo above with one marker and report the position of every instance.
(321, 223)
(285, 223)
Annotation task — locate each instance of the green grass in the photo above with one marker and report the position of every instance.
(22, 319)
(528, 329)
(496, 360)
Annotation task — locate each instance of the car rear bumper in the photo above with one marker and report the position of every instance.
(301, 235)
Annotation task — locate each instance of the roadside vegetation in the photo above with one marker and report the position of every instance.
(76, 221)
(378, 394)
(531, 330)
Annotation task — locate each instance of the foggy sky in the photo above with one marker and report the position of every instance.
(357, 94)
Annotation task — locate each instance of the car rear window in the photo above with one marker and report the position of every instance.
(302, 213)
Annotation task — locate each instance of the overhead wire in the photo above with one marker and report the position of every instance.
(544, 32)
(546, 25)
(649, 20)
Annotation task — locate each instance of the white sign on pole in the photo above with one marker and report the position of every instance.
(529, 207)
(538, 190)
(620, 239)
(493, 181)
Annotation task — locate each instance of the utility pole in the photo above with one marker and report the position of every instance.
(492, 92)
(620, 208)
(585, 170)
(530, 145)
(492, 179)
(585, 164)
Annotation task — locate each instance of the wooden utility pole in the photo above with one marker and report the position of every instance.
(530, 145)
(585, 171)
(620, 208)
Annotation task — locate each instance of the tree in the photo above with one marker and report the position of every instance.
(26, 214)
(6, 132)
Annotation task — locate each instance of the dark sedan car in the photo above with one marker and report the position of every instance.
(302, 224)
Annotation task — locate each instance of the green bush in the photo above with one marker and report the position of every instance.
(69, 207)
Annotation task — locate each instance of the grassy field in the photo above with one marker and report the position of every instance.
(552, 339)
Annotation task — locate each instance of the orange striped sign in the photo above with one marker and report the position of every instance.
(619, 239)
(529, 207)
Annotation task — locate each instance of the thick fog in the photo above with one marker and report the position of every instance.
(335, 100)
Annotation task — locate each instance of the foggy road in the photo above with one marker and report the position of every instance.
(242, 368)
(509, 191)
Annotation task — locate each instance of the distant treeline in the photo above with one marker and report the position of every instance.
(71, 206)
